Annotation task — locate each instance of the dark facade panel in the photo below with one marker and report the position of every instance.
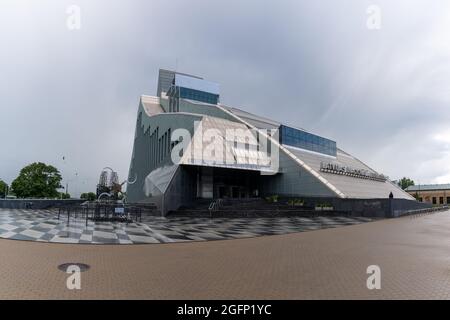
(308, 141)
(197, 95)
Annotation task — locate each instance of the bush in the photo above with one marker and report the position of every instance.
(3, 188)
(89, 196)
(296, 202)
(64, 196)
(324, 205)
(272, 199)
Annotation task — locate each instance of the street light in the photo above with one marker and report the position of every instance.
(68, 180)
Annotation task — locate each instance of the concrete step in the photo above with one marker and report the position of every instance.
(256, 213)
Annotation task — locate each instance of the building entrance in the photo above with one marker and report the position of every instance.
(227, 183)
(236, 184)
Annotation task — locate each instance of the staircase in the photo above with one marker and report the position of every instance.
(254, 207)
(148, 210)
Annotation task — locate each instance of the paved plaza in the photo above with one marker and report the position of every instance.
(412, 252)
(44, 226)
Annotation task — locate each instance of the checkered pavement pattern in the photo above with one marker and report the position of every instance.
(44, 226)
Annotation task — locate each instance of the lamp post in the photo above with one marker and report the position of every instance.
(419, 192)
(67, 184)
(67, 180)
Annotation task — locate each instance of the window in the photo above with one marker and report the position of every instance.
(164, 146)
(308, 141)
(420, 199)
(156, 145)
(434, 200)
(199, 95)
(441, 200)
(169, 142)
(448, 200)
(158, 155)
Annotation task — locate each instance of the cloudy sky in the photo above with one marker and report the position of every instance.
(383, 94)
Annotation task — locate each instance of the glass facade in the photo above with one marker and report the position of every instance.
(197, 95)
(308, 141)
(233, 146)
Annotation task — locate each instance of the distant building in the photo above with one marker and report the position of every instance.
(431, 193)
(108, 180)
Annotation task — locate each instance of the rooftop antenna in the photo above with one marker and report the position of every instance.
(176, 64)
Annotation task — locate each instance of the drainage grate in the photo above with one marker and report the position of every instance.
(83, 267)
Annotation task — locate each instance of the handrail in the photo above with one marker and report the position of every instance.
(214, 206)
(211, 208)
(419, 212)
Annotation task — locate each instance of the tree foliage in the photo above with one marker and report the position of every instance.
(37, 180)
(90, 196)
(64, 195)
(405, 183)
(3, 188)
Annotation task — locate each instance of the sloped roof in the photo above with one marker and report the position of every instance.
(350, 186)
(257, 121)
(345, 186)
(151, 105)
(231, 151)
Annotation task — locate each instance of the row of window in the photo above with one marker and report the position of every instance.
(198, 95)
(434, 200)
(308, 141)
(174, 104)
(160, 148)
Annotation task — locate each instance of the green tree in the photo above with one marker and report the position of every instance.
(405, 183)
(37, 180)
(3, 188)
(90, 196)
(64, 195)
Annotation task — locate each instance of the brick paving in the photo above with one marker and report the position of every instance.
(413, 253)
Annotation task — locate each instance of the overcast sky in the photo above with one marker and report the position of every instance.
(382, 94)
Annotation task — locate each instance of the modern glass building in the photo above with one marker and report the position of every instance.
(189, 146)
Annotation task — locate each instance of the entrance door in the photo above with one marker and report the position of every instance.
(235, 192)
(222, 192)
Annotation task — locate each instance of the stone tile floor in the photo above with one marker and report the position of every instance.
(43, 226)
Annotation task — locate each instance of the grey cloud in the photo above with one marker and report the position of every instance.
(381, 94)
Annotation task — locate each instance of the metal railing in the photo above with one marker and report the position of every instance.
(214, 206)
(425, 211)
(102, 212)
